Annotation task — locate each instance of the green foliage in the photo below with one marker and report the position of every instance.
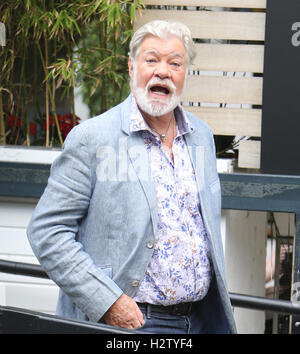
(52, 45)
(105, 79)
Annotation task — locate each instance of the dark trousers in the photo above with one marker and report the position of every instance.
(160, 322)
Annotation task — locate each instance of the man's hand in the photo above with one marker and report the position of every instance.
(124, 313)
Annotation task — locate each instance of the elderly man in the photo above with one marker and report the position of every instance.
(129, 224)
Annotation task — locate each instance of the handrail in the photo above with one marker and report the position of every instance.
(237, 300)
(14, 320)
(32, 270)
(264, 304)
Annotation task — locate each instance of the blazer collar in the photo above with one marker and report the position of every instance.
(125, 115)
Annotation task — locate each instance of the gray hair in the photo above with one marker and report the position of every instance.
(163, 29)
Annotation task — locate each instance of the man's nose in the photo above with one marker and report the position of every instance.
(162, 70)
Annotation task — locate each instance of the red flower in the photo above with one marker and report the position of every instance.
(66, 122)
(52, 120)
(13, 121)
(32, 129)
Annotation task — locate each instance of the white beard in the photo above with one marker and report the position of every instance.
(154, 106)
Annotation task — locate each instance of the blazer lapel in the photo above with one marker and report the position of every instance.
(197, 154)
(139, 170)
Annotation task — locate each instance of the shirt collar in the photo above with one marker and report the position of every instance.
(137, 122)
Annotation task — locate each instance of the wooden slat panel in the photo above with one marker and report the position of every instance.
(213, 24)
(226, 25)
(222, 89)
(258, 4)
(229, 57)
(249, 154)
(230, 121)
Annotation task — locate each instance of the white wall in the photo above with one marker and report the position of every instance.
(81, 109)
(22, 291)
(245, 260)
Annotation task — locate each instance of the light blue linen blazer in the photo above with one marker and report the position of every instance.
(94, 227)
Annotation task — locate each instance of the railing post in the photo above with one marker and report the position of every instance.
(295, 296)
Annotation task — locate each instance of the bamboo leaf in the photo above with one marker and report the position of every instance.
(76, 51)
(132, 12)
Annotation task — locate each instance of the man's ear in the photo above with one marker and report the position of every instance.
(130, 67)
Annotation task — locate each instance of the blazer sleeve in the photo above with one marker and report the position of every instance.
(54, 225)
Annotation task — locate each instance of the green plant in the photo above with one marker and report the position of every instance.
(50, 47)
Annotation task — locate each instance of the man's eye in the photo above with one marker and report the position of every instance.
(150, 61)
(177, 65)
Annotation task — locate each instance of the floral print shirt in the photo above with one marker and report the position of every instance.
(180, 268)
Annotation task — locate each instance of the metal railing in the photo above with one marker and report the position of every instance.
(237, 300)
(240, 191)
(22, 321)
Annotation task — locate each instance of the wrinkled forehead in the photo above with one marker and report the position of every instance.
(168, 46)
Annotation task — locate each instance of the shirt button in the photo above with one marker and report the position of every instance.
(135, 283)
(150, 244)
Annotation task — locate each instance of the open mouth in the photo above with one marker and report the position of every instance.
(160, 90)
